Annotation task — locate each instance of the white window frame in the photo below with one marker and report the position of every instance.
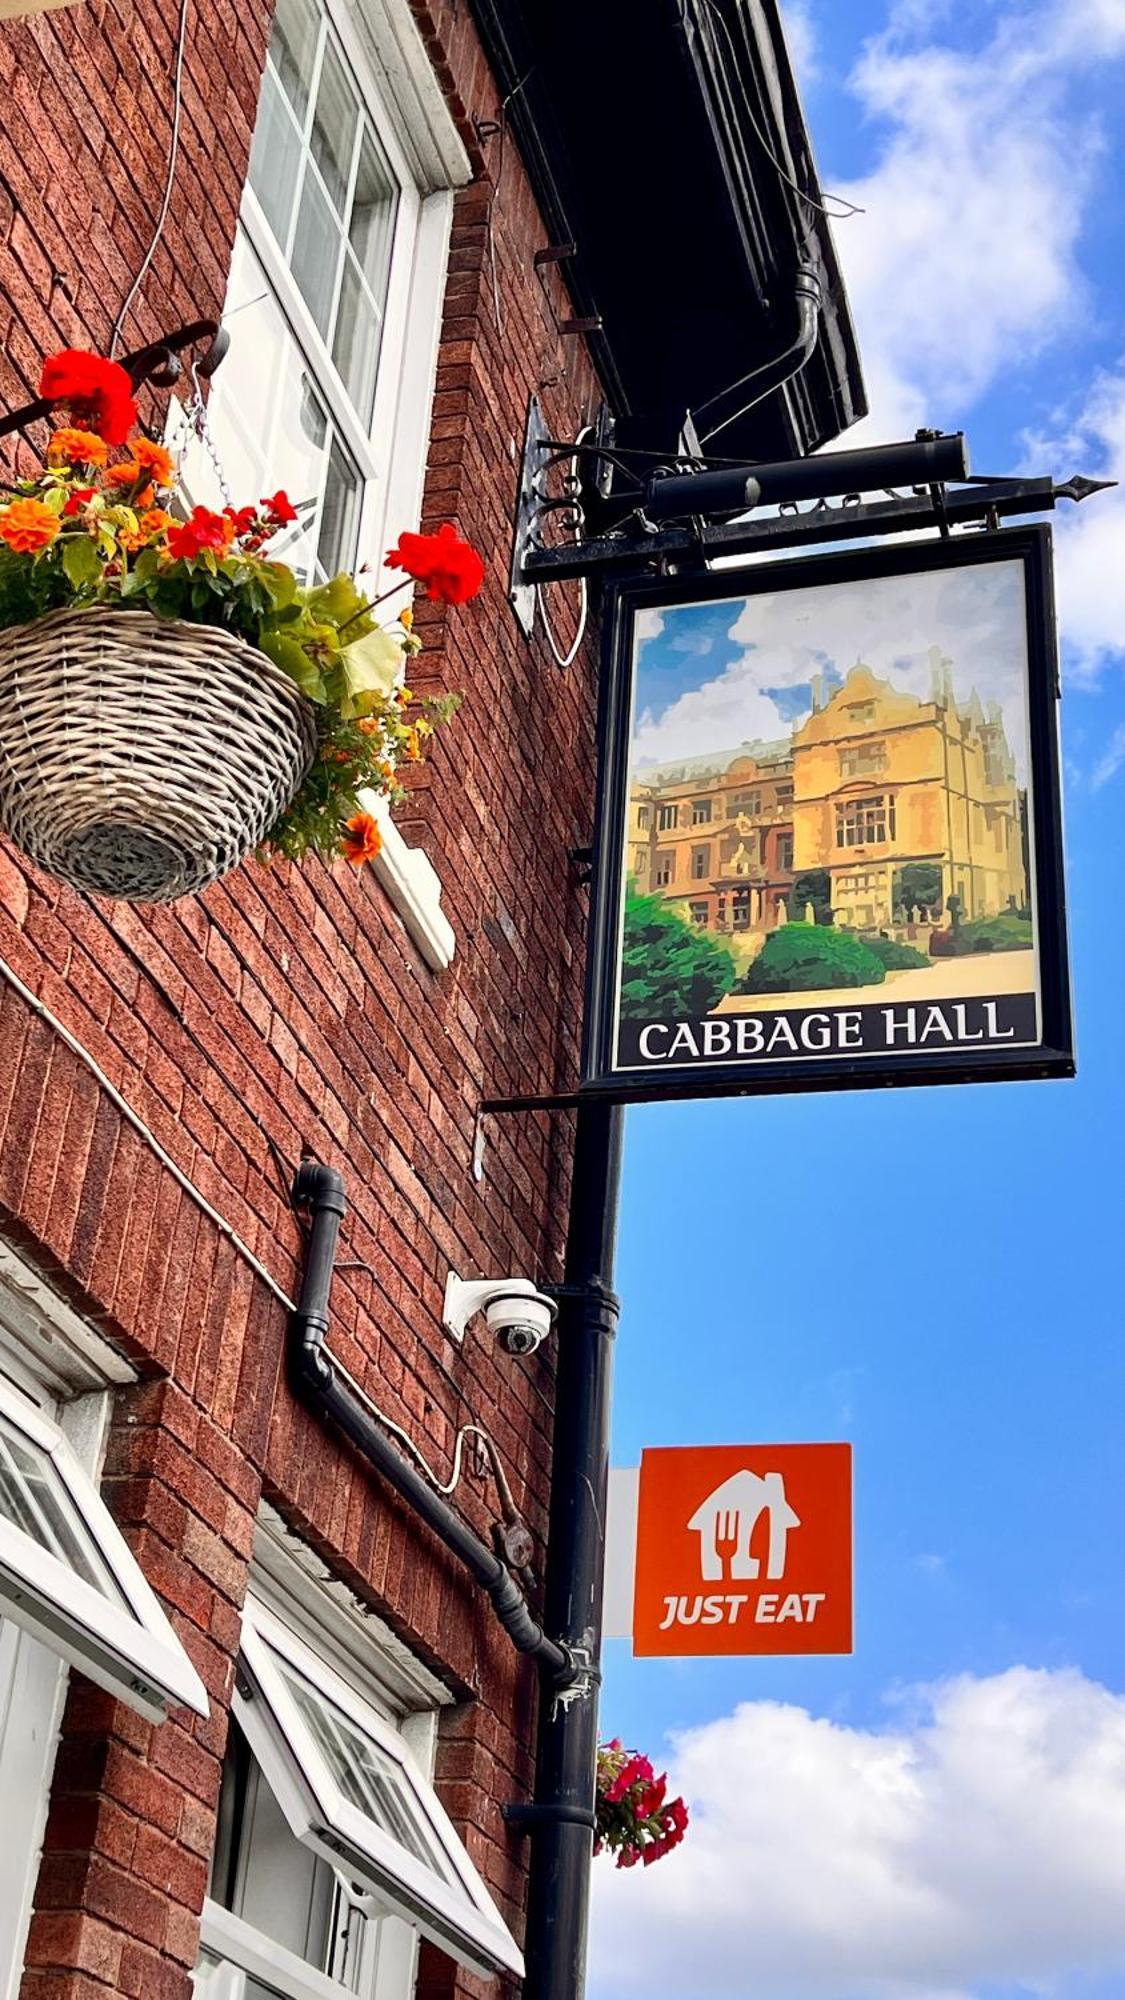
(468, 1924)
(246, 1950)
(134, 1653)
(52, 1358)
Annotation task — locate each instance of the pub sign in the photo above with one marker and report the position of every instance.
(829, 847)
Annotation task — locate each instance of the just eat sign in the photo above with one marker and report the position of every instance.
(744, 1549)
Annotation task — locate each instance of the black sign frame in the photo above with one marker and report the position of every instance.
(1052, 1055)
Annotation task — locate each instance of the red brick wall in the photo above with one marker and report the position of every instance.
(289, 1006)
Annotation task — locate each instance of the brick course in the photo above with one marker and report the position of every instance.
(289, 1006)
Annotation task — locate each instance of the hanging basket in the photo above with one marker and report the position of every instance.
(143, 757)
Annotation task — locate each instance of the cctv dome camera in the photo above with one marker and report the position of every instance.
(520, 1322)
(518, 1316)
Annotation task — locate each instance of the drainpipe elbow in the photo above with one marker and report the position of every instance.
(318, 1195)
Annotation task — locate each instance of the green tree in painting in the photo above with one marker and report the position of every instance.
(669, 971)
(814, 887)
(805, 958)
(917, 885)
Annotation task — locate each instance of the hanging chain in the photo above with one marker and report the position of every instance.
(197, 424)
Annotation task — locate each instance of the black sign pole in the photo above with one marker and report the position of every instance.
(563, 1815)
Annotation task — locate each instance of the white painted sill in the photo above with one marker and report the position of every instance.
(411, 881)
(16, 10)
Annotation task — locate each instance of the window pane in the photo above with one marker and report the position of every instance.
(368, 1778)
(316, 252)
(292, 51)
(373, 215)
(335, 121)
(34, 1499)
(355, 348)
(276, 157)
(265, 413)
(339, 520)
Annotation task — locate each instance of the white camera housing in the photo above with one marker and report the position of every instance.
(519, 1316)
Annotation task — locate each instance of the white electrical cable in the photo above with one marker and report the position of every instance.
(132, 1118)
(446, 1486)
(169, 182)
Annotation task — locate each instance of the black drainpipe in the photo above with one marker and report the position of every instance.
(318, 1193)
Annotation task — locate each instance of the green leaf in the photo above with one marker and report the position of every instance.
(280, 584)
(337, 601)
(294, 661)
(369, 666)
(80, 561)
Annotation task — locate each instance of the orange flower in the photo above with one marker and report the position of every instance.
(74, 447)
(413, 746)
(152, 458)
(26, 525)
(362, 839)
(369, 725)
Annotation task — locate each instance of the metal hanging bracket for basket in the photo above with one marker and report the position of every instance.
(158, 363)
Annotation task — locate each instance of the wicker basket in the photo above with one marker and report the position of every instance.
(142, 757)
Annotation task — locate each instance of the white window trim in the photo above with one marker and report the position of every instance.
(320, 1815)
(138, 1657)
(250, 1951)
(413, 886)
(293, 1582)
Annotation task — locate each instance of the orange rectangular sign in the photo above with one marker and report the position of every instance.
(744, 1549)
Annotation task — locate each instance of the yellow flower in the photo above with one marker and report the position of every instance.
(148, 527)
(406, 618)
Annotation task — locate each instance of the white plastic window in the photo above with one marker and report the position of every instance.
(68, 1577)
(352, 1793)
(321, 292)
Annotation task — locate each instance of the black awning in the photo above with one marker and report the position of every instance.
(661, 137)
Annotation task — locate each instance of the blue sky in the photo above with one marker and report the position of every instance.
(931, 1274)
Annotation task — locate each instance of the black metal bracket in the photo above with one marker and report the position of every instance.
(657, 514)
(158, 363)
(543, 500)
(849, 519)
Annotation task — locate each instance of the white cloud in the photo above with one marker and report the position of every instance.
(979, 1840)
(1090, 538)
(888, 623)
(963, 265)
(800, 34)
(1111, 761)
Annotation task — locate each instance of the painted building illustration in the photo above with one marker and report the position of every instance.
(890, 804)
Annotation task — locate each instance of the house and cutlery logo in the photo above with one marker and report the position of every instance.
(744, 1549)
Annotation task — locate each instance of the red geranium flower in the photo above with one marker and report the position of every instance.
(79, 497)
(203, 529)
(99, 392)
(242, 519)
(449, 567)
(279, 508)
